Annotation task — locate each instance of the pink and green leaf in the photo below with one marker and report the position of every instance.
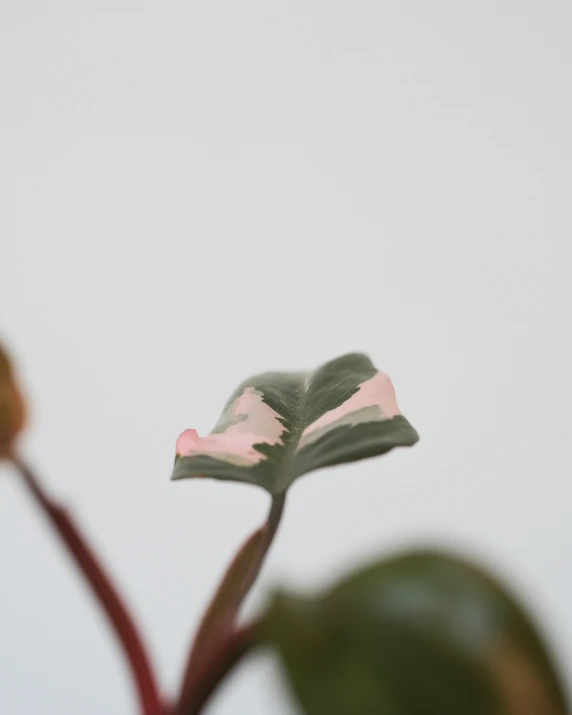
(278, 426)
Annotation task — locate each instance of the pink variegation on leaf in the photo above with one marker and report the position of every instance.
(247, 421)
(279, 426)
(374, 401)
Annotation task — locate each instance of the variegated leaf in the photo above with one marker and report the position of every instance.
(278, 426)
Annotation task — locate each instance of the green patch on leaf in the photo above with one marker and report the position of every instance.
(278, 426)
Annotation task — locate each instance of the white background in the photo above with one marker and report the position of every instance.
(194, 192)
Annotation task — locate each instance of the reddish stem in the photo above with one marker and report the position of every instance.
(206, 678)
(105, 592)
(217, 623)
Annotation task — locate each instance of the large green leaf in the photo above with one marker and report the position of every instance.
(279, 426)
(419, 634)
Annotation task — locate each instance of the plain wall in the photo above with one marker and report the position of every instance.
(193, 192)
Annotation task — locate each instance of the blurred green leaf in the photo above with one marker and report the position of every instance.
(418, 634)
(279, 426)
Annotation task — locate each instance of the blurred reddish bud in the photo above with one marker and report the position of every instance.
(12, 407)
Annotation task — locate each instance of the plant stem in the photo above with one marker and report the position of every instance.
(212, 672)
(269, 528)
(220, 616)
(103, 589)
